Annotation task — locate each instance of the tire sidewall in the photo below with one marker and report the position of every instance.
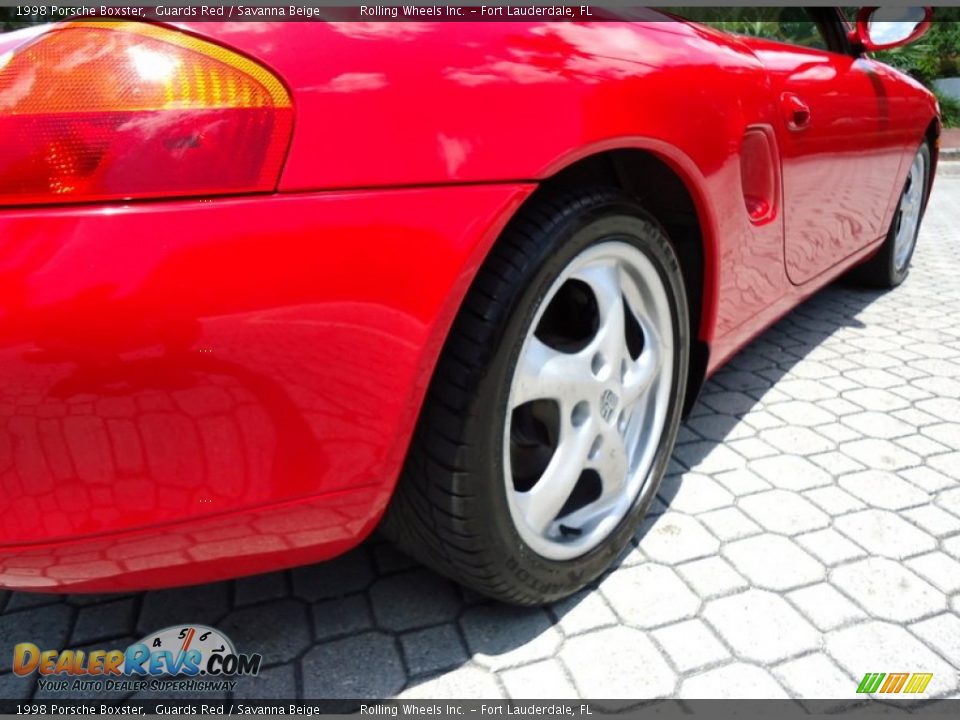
(897, 276)
(607, 220)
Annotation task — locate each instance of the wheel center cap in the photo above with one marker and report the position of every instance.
(608, 404)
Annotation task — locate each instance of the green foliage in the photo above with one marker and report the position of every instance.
(936, 54)
(949, 109)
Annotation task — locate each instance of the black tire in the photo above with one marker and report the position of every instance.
(450, 509)
(881, 270)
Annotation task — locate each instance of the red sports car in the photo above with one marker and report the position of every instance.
(264, 287)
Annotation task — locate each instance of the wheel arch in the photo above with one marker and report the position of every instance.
(669, 185)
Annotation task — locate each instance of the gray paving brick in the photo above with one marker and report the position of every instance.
(734, 681)
(499, 636)
(876, 400)
(464, 682)
(884, 533)
(883, 489)
(711, 577)
(433, 649)
(415, 598)
(343, 575)
(839, 432)
(730, 523)
(617, 663)
(694, 493)
(813, 390)
(917, 418)
(543, 680)
(935, 521)
(730, 403)
(951, 546)
(46, 627)
(742, 482)
(939, 569)
(839, 407)
(829, 546)
(14, 687)
(878, 425)
(103, 621)
(752, 448)
(342, 616)
(799, 440)
(924, 447)
(673, 538)
(784, 512)
(791, 472)
(664, 598)
(888, 590)
(927, 479)
(276, 683)
(761, 420)
(777, 630)
(947, 409)
(279, 631)
(880, 454)
(260, 588)
(686, 435)
(833, 500)
(205, 604)
(950, 501)
(947, 434)
(910, 393)
(941, 633)
(719, 427)
(691, 645)
(817, 676)
(708, 457)
(773, 562)
(583, 612)
(343, 668)
(836, 463)
(803, 413)
(825, 607)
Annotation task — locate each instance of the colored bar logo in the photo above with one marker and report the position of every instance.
(903, 683)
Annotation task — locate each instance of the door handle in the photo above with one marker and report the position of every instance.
(796, 112)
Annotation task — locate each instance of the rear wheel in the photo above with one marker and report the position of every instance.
(891, 265)
(554, 406)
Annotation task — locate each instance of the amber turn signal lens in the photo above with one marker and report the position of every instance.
(98, 111)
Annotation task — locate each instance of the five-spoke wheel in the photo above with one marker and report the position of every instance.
(907, 219)
(555, 405)
(588, 400)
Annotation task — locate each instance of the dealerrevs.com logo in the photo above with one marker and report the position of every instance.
(183, 657)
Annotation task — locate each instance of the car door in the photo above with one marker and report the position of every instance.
(839, 151)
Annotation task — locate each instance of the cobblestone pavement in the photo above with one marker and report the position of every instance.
(808, 532)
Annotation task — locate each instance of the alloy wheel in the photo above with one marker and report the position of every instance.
(588, 400)
(908, 213)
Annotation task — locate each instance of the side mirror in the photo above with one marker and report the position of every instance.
(885, 28)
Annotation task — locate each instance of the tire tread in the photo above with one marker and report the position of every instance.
(431, 515)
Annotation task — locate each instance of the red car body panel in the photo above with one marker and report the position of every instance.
(199, 389)
(175, 362)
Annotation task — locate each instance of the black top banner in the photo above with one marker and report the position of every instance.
(18, 15)
(586, 710)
